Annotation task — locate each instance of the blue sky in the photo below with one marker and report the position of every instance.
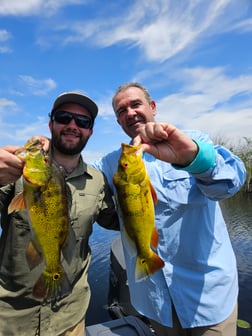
(194, 56)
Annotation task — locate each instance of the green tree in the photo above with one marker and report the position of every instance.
(243, 149)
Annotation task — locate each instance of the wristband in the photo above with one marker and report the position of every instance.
(204, 160)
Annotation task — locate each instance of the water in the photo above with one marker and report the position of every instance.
(99, 269)
(238, 214)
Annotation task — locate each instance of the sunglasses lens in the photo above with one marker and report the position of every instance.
(82, 121)
(64, 117)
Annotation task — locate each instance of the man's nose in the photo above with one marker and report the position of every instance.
(72, 123)
(130, 112)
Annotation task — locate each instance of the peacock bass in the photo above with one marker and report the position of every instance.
(44, 197)
(136, 198)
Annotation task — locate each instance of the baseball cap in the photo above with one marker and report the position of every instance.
(77, 98)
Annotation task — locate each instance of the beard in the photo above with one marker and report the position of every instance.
(68, 148)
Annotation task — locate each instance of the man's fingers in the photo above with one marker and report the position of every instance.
(137, 141)
(45, 142)
(11, 149)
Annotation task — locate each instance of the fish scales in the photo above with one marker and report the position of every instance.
(45, 199)
(136, 198)
(50, 217)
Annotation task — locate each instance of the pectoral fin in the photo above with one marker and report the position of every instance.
(17, 203)
(33, 256)
(154, 238)
(153, 194)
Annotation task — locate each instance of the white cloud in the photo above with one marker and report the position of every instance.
(163, 30)
(215, 83)
(243, 26)
(160, 29)
(210, 100)
(4, 37)
(34, 7)
(16, 7)
(6, 103)
(18, 135)
(232, 125)
(5, 50)
(38, 87)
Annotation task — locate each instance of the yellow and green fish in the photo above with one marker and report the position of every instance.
(45, 198)
(136, 199)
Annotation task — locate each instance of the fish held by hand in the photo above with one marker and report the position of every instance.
(44, 196)
(136, 198)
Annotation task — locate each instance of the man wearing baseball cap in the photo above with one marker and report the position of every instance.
(77, 98)
(71, 125)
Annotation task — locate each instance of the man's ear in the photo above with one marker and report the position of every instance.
(153, 107)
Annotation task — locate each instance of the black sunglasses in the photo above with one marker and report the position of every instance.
(64, 117)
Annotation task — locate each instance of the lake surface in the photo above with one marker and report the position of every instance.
(238, 214)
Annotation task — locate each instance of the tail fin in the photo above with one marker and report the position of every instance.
(52, 285)
(147, 266)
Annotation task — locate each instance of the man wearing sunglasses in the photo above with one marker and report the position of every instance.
(71, 125)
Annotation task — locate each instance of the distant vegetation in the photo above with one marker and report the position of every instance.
(243, 149)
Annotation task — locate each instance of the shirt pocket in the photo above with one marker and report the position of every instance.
(83, 213)
(177, 185)
(179, 191)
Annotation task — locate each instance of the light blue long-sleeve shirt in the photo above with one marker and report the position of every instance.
(200, 272)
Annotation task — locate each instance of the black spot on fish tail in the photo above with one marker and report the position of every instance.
(52, 286)
(147, 266)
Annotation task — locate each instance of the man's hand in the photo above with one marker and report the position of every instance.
(45, 142)
(167, 143)
(10, 166)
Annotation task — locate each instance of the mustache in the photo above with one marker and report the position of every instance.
(70, 131)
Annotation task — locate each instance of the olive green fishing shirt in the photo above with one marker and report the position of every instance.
(20, 313)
